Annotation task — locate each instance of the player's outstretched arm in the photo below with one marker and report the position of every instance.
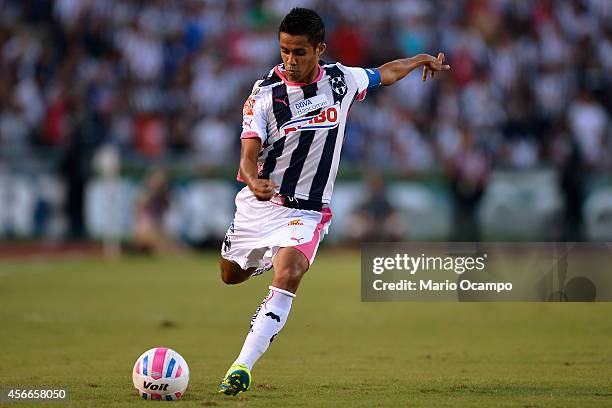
(262, 189)
(393, 71)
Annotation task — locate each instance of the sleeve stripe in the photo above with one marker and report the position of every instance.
(250, 134)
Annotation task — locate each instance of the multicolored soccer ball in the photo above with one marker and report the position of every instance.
(160, 374)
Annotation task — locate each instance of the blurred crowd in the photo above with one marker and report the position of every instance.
(164, 79)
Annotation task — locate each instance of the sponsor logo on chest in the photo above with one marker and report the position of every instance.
(308, 105)
(327, 119)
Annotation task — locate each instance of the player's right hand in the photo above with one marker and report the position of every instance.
(263, 189)
(432, 65)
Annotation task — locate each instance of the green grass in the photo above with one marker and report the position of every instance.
(81, 324)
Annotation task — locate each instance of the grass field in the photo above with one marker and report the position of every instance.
(81, 324)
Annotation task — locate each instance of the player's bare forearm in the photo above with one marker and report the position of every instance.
(393, 71)
(262, 189)
(248, 159)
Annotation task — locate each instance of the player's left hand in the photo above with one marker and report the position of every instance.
(432, 65)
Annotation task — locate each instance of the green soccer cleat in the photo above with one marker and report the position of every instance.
(237, 379)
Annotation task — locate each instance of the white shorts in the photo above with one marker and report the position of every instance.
(261, 228)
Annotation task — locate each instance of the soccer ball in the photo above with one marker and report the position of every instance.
(160, 374)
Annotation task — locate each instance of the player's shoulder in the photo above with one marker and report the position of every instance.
(267, 82)
(337, 68)
(328, 64)
(332, 67)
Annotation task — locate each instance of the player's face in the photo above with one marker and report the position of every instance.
(300, 57)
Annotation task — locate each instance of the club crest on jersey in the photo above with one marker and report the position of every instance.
(308, 105)
(338, 85)
(327, 119)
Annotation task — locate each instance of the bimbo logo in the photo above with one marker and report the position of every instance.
(328, 119)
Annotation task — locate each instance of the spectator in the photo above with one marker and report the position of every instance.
(120, 59)
(468, 169)
(152, 206)
(375, 219)
(588, 123)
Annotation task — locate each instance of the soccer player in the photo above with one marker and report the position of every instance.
(293, 131)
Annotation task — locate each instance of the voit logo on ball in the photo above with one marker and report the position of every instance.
(160, 374)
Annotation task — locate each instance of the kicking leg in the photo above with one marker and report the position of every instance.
(290, 265)
(269, 318)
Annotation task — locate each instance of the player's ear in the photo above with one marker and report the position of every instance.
(320, 49)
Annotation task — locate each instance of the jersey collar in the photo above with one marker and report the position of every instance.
(279, 69)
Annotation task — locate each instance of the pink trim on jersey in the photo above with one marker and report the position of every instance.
(249, 134)
(362, 95)
(309, 248)
(158, 363)
(286, 81)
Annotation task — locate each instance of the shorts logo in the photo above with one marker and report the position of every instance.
(338, 85)
(296, 232)
(227, 244)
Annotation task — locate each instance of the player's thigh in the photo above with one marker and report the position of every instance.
(244, 243)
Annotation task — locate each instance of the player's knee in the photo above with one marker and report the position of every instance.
(229, 275)
(228, 278)
(291, 273)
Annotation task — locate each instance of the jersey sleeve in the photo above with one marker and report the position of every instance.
(254, 122)
(366, 78)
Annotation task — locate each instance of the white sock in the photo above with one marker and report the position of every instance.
(268, 320)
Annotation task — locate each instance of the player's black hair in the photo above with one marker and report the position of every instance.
(303, 21)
